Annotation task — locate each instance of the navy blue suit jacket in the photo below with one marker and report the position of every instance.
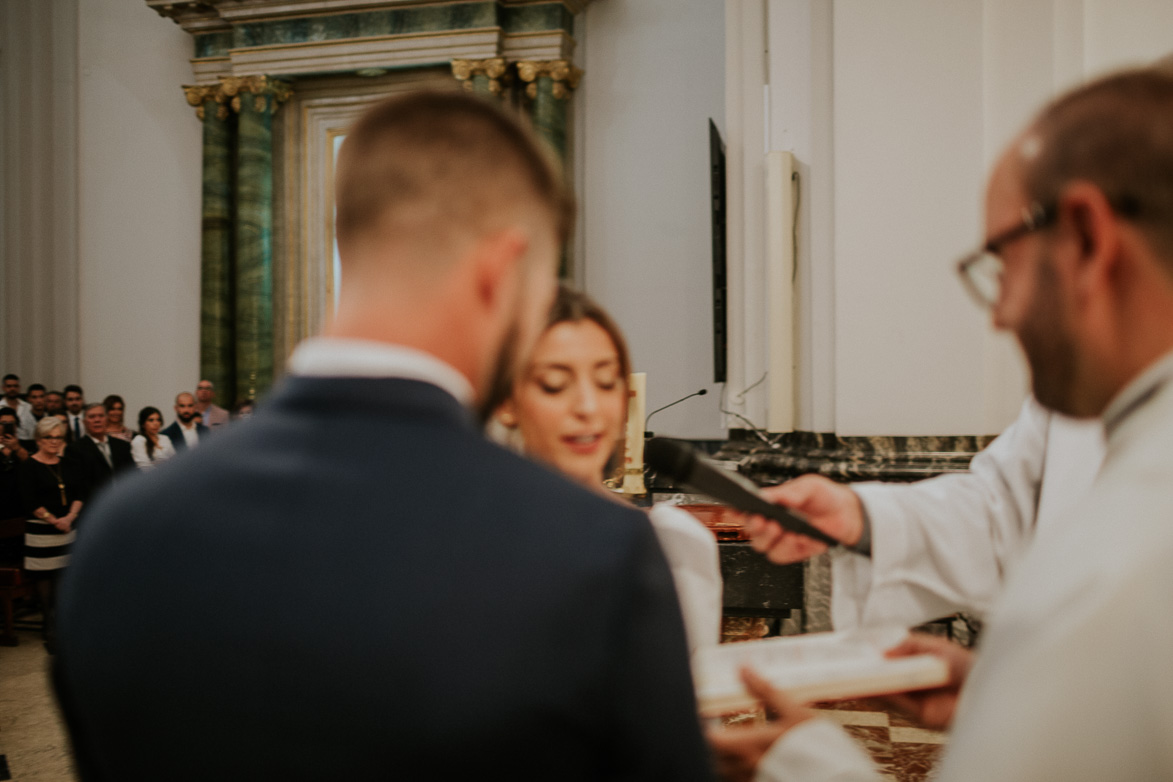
(356, 585)
(176, 434)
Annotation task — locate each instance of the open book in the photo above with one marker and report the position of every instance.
(816, 667)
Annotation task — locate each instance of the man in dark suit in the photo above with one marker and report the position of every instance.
(185, 431)
(75, 402)
(354, 584)
(102, 457)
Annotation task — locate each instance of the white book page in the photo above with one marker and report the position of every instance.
(819, 666)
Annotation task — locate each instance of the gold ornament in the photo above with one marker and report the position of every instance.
(565, 77)
(493, 68)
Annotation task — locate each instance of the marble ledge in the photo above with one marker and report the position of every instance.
(395, 51)
(443, 17)
(874, 458)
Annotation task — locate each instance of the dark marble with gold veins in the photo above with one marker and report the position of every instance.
(876, 458)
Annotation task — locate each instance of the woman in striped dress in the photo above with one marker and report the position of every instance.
(52, 490)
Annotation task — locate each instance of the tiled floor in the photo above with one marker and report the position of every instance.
(903, 751)
(33, 743)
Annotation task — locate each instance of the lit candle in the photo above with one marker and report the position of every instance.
(633, 456)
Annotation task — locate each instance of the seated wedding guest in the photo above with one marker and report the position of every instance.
(10, 459)
(569, 405)
(103, 457)
(213, 415)
(52, 491)
(54, 403)
(24, 413)
(12, 453)
(115, 411)
(185, 431)
(243, 410)
(149, 447)
(36, 399)
(75, 402)
(12, 449)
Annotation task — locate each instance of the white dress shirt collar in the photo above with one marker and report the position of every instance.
(103, 448)
(334, 357)
(1137, 392)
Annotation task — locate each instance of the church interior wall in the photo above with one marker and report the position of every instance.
(139, 217)
(38, 189)
(654, 75)
(894, 112)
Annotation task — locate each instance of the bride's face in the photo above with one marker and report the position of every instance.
(570, 403)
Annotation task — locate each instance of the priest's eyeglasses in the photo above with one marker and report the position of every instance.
(981, 271)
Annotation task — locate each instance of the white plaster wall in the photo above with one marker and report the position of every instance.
(654, 76)
(38, 191)
(801, 120)
(1121, 33)
(895, 111)
(139, 206)
(908, 154)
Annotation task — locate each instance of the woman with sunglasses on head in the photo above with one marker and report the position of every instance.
(569, 407)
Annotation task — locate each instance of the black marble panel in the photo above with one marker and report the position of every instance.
(879, 458)
(754, 586)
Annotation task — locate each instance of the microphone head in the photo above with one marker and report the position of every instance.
(669, 458)
(702, 392)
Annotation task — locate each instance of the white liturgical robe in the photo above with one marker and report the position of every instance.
(948, 544)
(1074, 680)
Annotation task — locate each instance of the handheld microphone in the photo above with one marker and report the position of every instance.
(702, 392)
(681, 464)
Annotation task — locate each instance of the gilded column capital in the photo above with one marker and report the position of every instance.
(564, 75)
(492, 69)
(267, 93)
(199, 94)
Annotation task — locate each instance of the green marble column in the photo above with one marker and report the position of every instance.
(482, 77)
(548, 87)
(549, 84)
(217, 338)
(254, 100)
(480, 84)
(549, 115)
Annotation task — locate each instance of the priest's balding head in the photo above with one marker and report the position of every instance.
(1079, 217)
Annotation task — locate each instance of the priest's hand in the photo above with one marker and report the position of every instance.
(739, 750)
(933, 708)
(830, 506)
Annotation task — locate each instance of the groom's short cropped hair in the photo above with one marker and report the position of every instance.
(437, 166)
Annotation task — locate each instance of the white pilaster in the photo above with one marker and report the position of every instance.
(38, 190)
